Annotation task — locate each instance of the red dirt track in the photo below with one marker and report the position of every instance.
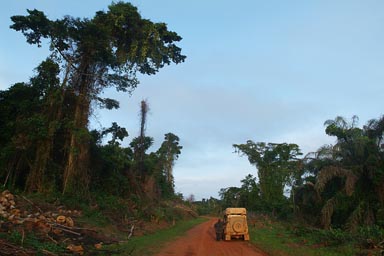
(200, 241)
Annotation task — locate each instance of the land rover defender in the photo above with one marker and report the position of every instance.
(235, 224)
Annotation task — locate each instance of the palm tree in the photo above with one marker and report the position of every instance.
(352, 183)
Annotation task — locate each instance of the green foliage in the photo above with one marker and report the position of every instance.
(117, 133)
(209, 207)
(166, 213)
(332, 237)
(230, 197)
(338, 187)
(51, 117)
(151, 243)
(277, 166)
(278, 238)
(21, 129)
(168, 153)
(109, 169)
(250, 194)
(350, 176)
(374, 233)
(29, 240)
(365, 237)
(112, 205)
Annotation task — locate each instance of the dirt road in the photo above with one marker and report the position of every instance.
(200, 241)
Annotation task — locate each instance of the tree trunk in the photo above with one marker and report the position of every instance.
(76, 178)
(141, 153)
(76, 173)
(36, 175)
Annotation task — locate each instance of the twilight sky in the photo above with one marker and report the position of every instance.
(271, 71)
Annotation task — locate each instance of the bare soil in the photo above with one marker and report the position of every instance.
(201, 241)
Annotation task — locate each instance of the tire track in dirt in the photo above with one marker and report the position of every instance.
(200, 241)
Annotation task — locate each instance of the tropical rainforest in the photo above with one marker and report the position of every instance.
(47, 146)
(46, 143)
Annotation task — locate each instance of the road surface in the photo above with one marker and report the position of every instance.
(200, 241)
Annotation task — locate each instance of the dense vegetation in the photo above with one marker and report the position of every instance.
(48, 148)
(46, 144)
(339, 187)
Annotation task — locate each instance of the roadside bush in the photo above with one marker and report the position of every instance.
(364, 237)
(370, 236)
(335, 236)
(331, 237)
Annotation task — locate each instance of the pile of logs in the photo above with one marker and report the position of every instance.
(7, 206)
(9, 211)
(56, 226)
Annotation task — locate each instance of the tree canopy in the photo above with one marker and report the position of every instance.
(87, 56)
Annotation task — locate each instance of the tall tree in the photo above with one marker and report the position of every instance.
(169, 153)
(105, 51)
(276, 165)
(165, 158)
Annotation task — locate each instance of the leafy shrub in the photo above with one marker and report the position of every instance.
(329, 237)
(335, 236)
(373, 234)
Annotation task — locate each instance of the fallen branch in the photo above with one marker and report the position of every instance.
(48, 253)
(22, 236)
(53, 240)
(10, 249)
(131, 232)
(63, 228)
(34, 205)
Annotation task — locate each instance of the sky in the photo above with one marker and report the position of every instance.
(267, 71)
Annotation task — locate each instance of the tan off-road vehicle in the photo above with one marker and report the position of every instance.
(235, 223)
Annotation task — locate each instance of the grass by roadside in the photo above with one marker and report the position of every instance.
(276, 240)
(281, 239)
(148, 244)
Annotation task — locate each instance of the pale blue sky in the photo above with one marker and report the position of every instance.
(269, 71)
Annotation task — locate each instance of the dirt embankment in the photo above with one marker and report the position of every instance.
(200, 241)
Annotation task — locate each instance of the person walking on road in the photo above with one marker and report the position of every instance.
(219, 225)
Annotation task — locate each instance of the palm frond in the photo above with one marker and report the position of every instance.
(325, 152)
(355, 217)
(355, 121)
(327, 212)
(330, 172)
(311, 187)
(350, 183)
(369, 216)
